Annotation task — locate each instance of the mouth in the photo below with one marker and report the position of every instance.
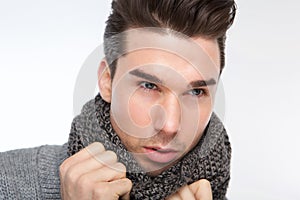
(160, 155)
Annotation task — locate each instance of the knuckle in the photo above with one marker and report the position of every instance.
(204, 182)
(120, 167)
(84, 181)
(106, 158)
(112, 155)
(109, 157)
(71, 175)
(63, 168)
(128, 183)
(95, 148)
(98, 144)
(101, 191)
(83, 184)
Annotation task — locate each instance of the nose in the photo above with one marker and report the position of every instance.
(168, 120)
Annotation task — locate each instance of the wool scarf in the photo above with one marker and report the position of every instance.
(209, 159)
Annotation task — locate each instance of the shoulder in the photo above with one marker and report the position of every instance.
(25, 173)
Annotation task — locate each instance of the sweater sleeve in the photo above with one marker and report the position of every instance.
(31, 173)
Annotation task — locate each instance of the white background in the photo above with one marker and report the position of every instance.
(43, 45)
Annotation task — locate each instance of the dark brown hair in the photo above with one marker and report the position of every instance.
(207, 18)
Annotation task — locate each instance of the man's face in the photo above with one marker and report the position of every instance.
(161, 101)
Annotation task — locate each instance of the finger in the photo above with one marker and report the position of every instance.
(104, 174)
(174, 196)
(113, 190)
(185, 193)
(126, 196)
(202, 189)
(95, 162)
(122, 188)
(93, 149)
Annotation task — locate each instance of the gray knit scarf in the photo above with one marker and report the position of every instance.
(210, 159)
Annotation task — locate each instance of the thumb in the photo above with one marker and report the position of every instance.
(201, 189)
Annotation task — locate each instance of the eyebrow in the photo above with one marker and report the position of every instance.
(201, 83)
(152, 78)
(146, 76)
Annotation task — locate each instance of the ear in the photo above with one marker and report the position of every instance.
(104, 81)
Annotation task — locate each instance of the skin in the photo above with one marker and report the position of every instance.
(83, 177)
(164, 111)
(94, 173)
(146, 113)
(199, 190)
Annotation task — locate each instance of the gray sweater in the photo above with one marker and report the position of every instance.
(31, 173)
(34, 173)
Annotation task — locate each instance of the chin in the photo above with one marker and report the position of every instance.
(154, 168)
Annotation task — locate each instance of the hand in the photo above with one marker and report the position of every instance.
(94, 173)
(199, 190)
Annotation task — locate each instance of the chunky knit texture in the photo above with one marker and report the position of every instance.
(34, 173)
(210, 159)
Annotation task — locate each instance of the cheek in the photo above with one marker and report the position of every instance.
(139, 111)
(194, 122)
(205, 113)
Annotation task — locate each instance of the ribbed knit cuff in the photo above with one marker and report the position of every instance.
(49, 160)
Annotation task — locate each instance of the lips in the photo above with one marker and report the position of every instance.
(160, 155)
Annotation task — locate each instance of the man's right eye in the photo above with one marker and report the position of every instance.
(148, 86)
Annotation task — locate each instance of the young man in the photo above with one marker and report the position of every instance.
(150, 133)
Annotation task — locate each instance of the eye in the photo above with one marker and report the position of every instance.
(197, 92)
(149, 86)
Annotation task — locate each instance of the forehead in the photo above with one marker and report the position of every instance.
(160, 52)
(160, 63)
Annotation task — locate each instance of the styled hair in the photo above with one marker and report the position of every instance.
(209, 19)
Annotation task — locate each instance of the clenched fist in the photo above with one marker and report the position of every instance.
(94, 173)
(199, 190)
